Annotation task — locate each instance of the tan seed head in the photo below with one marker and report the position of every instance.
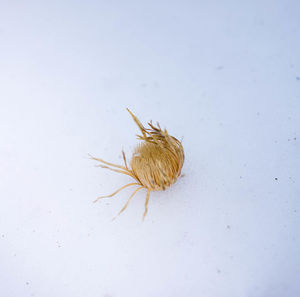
(156, 163)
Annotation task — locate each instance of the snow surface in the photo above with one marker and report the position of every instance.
(223, 76)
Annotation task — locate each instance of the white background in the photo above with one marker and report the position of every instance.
(224, 76)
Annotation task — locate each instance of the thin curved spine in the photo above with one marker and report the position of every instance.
(127, 203)
(116, 192)
(146, 204)
(125, 161)
(127, 172)
(107, 163)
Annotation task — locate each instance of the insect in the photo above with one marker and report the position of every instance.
(155, 165)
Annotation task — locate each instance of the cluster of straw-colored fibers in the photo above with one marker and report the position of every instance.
(156, 162)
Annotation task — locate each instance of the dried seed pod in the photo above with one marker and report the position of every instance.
(155, 165)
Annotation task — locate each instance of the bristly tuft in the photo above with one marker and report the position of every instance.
(156, 163)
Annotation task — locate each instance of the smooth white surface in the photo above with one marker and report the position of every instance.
(222, 75)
